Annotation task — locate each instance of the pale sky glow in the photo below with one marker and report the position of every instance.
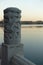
(31, 9)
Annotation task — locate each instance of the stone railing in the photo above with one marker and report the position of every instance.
(12, 49)
(20, 60)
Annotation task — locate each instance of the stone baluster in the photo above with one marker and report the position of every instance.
(12, 26)
(12, 35)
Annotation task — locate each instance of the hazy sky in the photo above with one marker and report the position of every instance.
(31, 9)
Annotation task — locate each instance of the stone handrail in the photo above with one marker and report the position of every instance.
(20, 60)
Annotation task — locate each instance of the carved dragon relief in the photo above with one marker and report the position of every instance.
(12, 27)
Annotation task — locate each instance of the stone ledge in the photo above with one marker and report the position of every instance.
(13, 45)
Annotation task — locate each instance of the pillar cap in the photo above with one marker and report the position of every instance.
(12, 9)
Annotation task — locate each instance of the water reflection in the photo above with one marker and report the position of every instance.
(33, 44)
(31, 26)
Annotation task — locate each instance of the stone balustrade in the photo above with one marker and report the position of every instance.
(12, 49)
(20, 60)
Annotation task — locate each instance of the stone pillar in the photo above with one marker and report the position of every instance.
(12, 35)
(12, 26)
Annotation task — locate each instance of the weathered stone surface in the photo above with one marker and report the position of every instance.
(9, 51)
(12, 26)
(12, 35)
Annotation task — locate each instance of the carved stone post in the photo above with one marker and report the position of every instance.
(12, 35)
(12, 26)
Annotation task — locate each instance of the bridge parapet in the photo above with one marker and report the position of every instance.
(20, 60)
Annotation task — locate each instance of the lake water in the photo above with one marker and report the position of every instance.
(32, 38)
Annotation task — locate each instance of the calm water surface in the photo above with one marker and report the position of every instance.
(32, 38)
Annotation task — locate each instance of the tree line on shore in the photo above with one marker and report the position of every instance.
(23, 22)
(1, 23)
(32, 22)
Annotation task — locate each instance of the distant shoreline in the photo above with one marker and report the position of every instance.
(25, 23)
